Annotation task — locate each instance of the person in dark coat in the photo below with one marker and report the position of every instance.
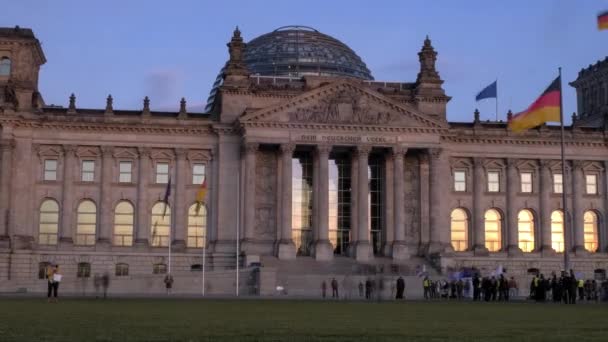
(334, 288)
(476, 287)
(323, 288)
(105, 284)
(572, 288)
(400, 287)
(368, 289)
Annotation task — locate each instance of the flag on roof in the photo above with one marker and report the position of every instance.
(546, 108)
(488, 92)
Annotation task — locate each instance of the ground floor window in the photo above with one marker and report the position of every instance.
(590, 229)
(557, 231)
(493, 230)
(459, 229)
(376, 201)
(525, 230)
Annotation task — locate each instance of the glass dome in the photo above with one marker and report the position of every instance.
(295, 51)
(300, 50)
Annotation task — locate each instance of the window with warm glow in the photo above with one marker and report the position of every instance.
(123, 224)
(493, 230)
(558, 183)
(590, 231)
(525, 230)
(160, 224)
(591, 184)
(557, 231)
(459, 230)
(49, 222)
(197, 224)
(86, 222)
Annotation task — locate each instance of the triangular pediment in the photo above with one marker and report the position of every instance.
(343, 102)
(126, 153)
(87, 151)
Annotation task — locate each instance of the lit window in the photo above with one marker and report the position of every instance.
(123, 224)
(86, 222)
(558, 183)
(525, 230)
(5, 66)
(198, 173)
(197, 224)
(124, 168)
(161, 220)
(83, 270)
(49, 222)
(460, 183)
(88, 170)
(122, 270)
(50, 170)
(590, 230)
(493, 181)
(162, 173)
(493, 230)
(591, 182)
(557, 231)
(459, 230)
(526, 182)
(159, 269)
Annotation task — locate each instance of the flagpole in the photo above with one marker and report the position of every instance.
(497, 99)
(238, 235)
(204, 255)
(567, 234)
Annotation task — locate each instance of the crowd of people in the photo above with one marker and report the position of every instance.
(567, 288)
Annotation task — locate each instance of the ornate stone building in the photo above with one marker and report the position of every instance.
(317, 168)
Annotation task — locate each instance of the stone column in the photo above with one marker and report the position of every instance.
(400, 250)
(354, 205)
(6, 147)
(511, 219)
(546, 186)
(105, 197)
(287, 249)
(576, 226)
(181, 211)
(423, 160)
(363, 248)
(479, 232)
(439, 223)
(250, 181)
(67, 205)
(142, 233)
(323, 249)
(603, 241)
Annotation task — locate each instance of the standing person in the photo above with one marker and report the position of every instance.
(426, 287)
(368, 288)
(97, 284)
(168, 283)
(50, 271)
(323, 289)
(360, 289)
(512, 288)
(572, 289)
(476, 287)
(334, 288)
(105, 282)
(56, 280)
(400, 287)
(581, 289)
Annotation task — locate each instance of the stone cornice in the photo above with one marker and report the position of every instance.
(341, 127)
(521, 141)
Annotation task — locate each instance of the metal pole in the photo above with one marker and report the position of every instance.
(497, 99)
(204, 255)
(238, 223)
(567, 234)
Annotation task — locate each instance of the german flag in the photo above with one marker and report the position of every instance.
(546, 108)
(602, 21)
(200, 195)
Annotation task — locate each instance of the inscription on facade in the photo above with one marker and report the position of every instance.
(343, 139)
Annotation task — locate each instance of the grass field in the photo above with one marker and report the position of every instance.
(282, 320)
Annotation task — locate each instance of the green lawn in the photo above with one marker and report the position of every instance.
(266, 320)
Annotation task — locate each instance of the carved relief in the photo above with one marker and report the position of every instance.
(412, 199)
(265, 195)
(345, 106)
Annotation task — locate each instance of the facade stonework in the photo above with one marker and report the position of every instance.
(364, 174)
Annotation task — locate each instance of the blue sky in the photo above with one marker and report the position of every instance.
(173, 49)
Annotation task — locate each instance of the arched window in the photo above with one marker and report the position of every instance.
(160, 224)
(122, 269)
(86, 221)
(590, 229)
(459, 230)
(49, 223)
(557, 231)
(5, 66)
(197, 226)
(493, 230)
(525, 230)
(123, 224)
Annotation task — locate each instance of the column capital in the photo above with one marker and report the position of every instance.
(478, 162)
(323, 149)
(107, 151)
(545, 164)
(511, 162)
(423, 159)
(577, 165)
(250, 147)
(435, 152)
(7, 144)
(144, 152)
(181, 153)
(288, 148)
(398, 151)
(69, 150)
(363, 150)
